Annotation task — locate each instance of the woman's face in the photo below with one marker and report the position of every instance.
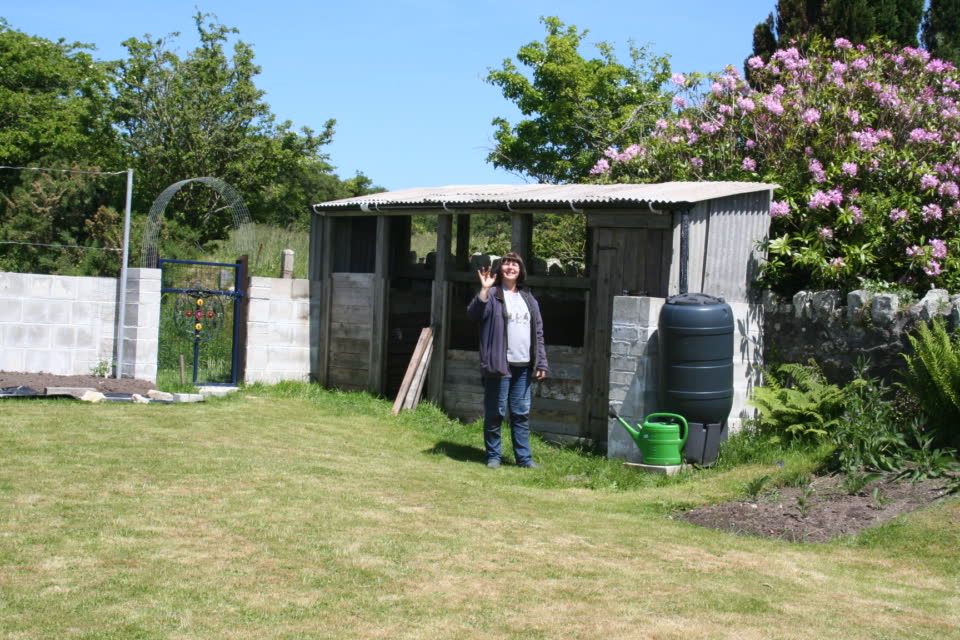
(509, 271)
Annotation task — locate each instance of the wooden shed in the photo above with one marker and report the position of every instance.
(371, 296)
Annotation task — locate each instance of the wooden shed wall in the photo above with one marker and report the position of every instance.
(351, 329)
(556, 408)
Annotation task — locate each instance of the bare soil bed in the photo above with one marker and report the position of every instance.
(829, 510)
(40, 381)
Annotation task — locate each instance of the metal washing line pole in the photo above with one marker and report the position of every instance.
(122, 312)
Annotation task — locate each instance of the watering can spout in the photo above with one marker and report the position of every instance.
(634, 433)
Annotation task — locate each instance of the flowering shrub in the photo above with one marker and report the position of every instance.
(863, 142)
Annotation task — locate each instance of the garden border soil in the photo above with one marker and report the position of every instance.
(829, 510)
(40, 381)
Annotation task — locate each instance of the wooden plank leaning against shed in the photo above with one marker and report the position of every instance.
(418, 362)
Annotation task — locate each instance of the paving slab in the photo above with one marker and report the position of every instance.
(663, 470)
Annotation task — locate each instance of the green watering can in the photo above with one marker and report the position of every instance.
(660, 442)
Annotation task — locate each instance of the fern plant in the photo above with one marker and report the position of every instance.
(797, 403)
(933, 378)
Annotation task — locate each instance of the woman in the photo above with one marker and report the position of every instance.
(511, 352)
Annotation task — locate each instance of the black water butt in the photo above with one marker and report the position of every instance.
(696, 369)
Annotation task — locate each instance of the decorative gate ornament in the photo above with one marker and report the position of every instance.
(199, 313)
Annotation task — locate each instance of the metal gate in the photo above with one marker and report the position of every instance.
(199, 322)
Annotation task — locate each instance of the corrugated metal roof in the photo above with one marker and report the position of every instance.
(547, 195)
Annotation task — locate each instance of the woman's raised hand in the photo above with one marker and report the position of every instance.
(487, 278)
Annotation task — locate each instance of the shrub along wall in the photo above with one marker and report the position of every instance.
(836, 331)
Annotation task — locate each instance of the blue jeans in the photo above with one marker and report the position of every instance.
(499, 395)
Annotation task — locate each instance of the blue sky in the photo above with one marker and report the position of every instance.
(404, 79)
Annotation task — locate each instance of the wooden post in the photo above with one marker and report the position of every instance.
(440, 311)
(242, 285)
(521, 237)
(463, 243)
(321, 293)
(377, 363)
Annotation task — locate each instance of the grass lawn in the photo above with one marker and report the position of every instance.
(289, 512)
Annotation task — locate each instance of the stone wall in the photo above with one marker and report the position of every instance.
(634, 366)
(835, 330)
(278, 330)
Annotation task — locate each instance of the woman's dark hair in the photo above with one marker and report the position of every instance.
(512, 257)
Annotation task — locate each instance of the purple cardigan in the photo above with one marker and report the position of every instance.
(493, 332)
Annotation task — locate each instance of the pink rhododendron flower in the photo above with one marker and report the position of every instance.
(817, 170)
(716, 88)
(842, 43)
(726, 109)
(853, 115)
(662, 123)
(748, 164)
(928, 181)
(678, 79)
(756, 62)
(932, 268)
(750, 144)
(838, 263)
(602, 166)
(684, 124)
(746, 104)
(939, 248)
(897, 215)
(922, 135)
(856, 213)
(914, 251)
(849, 169)
(826, 233)
(811, 115)
(838, 67)
(931, 212)
(679, 102)
(949, 189)
(697, 162)
(692, 138)
(819, 200)
(779, 208)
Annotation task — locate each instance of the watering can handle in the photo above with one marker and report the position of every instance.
(683, 421)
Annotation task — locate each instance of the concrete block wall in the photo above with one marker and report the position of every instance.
(56, 324)
(634, 366)
(278, 330)
(141, 331)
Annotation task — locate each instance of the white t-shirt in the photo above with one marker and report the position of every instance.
(518, 328)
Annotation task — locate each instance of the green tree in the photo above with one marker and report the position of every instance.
(53, 96)
(855, 20)
(941, 30)
(53, 101)
(202, 115)
(574, 107)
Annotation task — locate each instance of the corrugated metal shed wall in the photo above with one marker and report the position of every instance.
(736, 224)
(724, 258)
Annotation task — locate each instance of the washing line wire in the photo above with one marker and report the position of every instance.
(95, 173)
(59, 246)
